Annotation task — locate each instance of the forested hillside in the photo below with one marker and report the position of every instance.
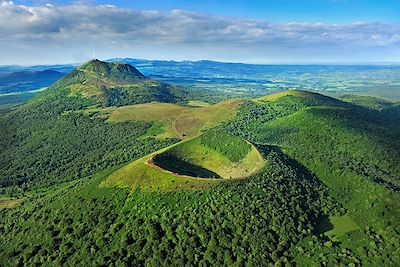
(45, 142)
(248, 223)
(353, 149)
(86, 191)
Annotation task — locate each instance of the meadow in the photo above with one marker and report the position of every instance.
(178, 121)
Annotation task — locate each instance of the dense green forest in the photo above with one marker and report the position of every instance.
(328, 195)
(253, 223)
(353, 150)
(42, 146)
(11, 100)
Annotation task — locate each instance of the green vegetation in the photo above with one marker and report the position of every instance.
(341, 225)
(354, 151)
(142, 174)
(232, 147)
(9, 203)
(176, 165)
(255, 222)
(155, 130)
(95, 187)
(295, 93)
(370, 102)
(178, 121)
(112, 84)
(187, 164)
(10, 100)
(198, 103)
(223, 155)
(42, 147)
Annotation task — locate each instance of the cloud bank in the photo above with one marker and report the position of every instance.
(69, 32)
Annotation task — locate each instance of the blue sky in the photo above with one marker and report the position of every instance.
(284, 31)
(333, 11)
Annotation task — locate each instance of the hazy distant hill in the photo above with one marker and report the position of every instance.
(27, 80)
(253, 80)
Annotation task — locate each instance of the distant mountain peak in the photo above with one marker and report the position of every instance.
(112, 70)
(115, 84)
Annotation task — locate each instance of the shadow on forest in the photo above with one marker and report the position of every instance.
(322, 224)
(287, 160)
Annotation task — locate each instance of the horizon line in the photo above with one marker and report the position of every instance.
(326, 63)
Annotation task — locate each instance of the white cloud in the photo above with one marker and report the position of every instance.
(78, 24)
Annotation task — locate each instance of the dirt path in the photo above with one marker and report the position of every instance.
(174, 124)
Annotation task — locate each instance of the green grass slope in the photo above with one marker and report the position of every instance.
(178, 121)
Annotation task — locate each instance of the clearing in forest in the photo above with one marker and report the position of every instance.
(336, 226)
(10, 203)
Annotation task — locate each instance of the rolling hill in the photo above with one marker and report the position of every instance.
(296, 178)
(352, 148)
(370, 102)
(171, 120)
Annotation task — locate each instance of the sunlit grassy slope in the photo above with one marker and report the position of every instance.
(341, 225)
(148, 174)
(198, 154)
(178, 121)
(295, 93)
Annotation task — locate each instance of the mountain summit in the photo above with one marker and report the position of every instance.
(115, 84)
(117, 71)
